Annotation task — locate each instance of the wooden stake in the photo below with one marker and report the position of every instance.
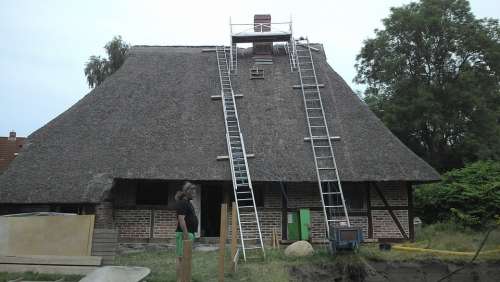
(273, 239)
(186, 261)
(277, 240)
(234, 235)
(223, 238)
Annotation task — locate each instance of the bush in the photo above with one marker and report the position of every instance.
(469, 196)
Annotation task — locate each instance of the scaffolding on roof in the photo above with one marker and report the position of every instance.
(257, 33)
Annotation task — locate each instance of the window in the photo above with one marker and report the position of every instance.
(151, 193)
(355, 195)
(256, 73)
(258, 194)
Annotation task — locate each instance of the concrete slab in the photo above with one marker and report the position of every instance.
(117, 274)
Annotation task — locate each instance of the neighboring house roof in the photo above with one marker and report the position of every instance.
(9, 147)
(154, 119)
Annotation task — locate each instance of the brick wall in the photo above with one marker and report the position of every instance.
(384, 226)
(104, 215)
(133, 224)
(165, 224)
(318, 226)
(136, 223)
(268, 219)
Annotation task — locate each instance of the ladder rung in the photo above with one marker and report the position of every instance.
(245, 239)
(247, 199)
(330, 193)
(325, 168)
(244, 192)
(253, 248)
(329, 180)
(337, 220)
(324, 157)
(253, 221)
(321, 146)
(339, 206)
(317, 126)
(245, 207)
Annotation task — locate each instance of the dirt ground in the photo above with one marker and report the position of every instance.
(395, 271)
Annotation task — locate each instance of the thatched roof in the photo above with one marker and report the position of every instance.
(154, 119)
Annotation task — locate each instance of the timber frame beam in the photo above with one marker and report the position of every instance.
(390, 210)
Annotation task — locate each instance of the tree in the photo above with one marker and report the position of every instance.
(433, 77)
(469, 196)
(97, 69)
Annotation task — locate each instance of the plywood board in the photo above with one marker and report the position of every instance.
(46, 235)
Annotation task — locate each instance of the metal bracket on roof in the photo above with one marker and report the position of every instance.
(218, 97)
(310, 47)
(333, 138)
(298, 86)
(225, 157)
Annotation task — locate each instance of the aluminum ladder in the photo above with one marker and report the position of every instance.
(248, 219)
(330, 188)
(234, 58)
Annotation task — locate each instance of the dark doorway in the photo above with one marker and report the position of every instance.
(211, 200)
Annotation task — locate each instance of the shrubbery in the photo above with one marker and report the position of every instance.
(469, 196)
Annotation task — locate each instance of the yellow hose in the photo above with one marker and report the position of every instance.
(422, 250)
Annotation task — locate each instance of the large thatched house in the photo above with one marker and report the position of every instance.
(123, 150)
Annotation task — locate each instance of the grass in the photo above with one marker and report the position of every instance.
(277, 267)
(273, 268)
(38, 277)
(450, 237)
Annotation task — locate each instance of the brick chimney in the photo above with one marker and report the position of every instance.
(262, 23)
(12, 135)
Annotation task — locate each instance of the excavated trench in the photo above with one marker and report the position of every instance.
(395, 271)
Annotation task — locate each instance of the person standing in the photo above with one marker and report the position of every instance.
(187, 222)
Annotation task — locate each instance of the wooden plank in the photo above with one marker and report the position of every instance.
(90, 235)
(186, 261)
(218, 97)
(411, 227)
(225, 157)
(105, 231)
(52, 260)
(234, 235)
(369, 212)
(106, 236)
(53, 269)
(222, 240)
(333, 138)
(105, 253)
(104, 240)
(104, 247)
(208, 50)
(300, 87)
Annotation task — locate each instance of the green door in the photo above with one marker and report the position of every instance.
(293, 226)
(305, 224)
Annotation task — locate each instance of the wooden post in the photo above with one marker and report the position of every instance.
(234, 235)
(223, 237)
(186, 261)
(273, 239)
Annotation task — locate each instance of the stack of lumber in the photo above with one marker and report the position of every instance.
(104, 244)
(50, 264)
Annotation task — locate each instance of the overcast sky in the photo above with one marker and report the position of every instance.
(45, 44)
